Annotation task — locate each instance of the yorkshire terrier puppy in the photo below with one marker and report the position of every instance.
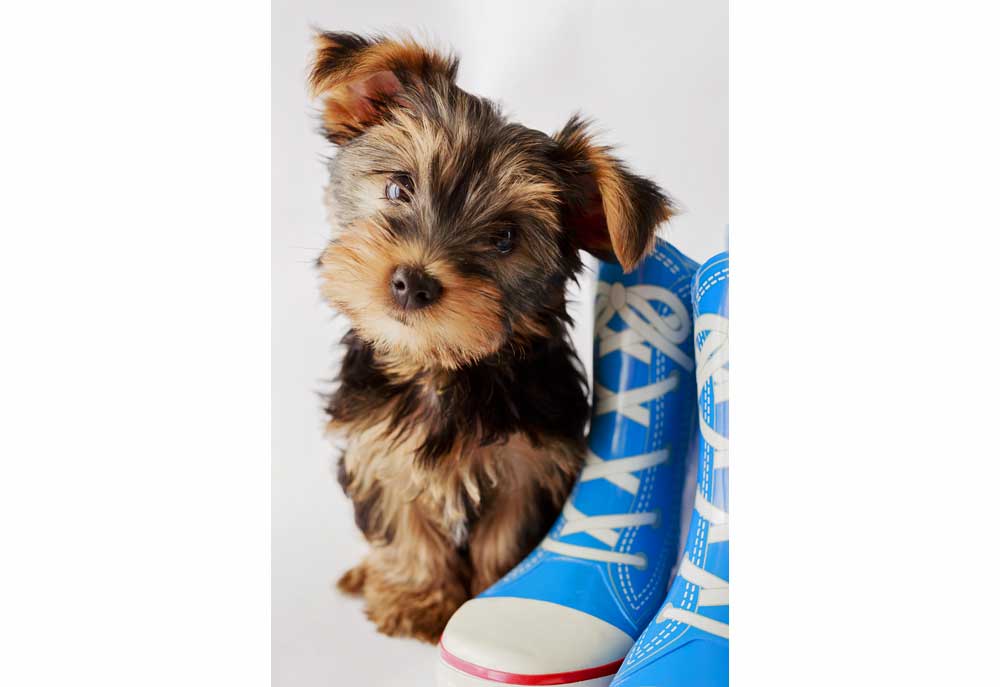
(460, 397)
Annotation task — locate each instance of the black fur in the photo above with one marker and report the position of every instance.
(541, 393)
(365, 510)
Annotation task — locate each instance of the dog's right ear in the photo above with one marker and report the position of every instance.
(360, 79)
(610, 212)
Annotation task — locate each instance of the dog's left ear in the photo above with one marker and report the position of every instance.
(609, 211)
(360, 78)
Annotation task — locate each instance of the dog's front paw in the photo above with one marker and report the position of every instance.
(418, 613)
(353, 581)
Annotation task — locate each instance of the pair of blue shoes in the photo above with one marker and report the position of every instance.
(590, 606)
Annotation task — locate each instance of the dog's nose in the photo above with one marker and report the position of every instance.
(413, 288)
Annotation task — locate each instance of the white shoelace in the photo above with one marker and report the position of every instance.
(713, 356)
(646, 329)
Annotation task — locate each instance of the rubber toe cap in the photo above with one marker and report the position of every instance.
(499, 638)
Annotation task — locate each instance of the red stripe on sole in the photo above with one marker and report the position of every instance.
(537, 679)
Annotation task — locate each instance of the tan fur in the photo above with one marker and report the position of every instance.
(467, 326)
(414, 578)
(402, 53)
(494, 543)
(627, 243)
(463, 327)
(348, 91)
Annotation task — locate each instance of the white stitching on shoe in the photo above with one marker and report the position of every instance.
(702, 622)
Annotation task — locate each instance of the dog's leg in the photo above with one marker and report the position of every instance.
(496, 543)
(515, 522)
(519, 514)
(414, 584)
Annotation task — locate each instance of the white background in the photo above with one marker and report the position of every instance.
(134, 356)
(654, 78)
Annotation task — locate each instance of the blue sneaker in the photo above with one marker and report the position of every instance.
(687, 644)
(568, 613)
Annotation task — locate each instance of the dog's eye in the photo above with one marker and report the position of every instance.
(504, 241)
(399, 188)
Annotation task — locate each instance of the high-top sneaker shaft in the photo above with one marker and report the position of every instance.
(687, 644)
(571, 610)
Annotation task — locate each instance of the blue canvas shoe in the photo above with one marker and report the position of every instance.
(568, 613)
(687, 644)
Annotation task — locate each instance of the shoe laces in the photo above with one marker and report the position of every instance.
(646, 330)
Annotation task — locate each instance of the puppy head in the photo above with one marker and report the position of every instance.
(454, 229)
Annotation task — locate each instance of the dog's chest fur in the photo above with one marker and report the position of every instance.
(442, 448)
(389, 491)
